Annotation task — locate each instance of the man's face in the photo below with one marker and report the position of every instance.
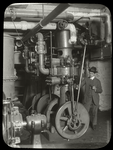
(91, 74)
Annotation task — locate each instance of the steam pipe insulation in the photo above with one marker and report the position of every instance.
(41, 53)
(46, 20)
(73, 33)
(101, 14)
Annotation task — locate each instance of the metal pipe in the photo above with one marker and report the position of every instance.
(38, 19)
(73, 33)
(33, 13)
(77, 13)
(46, 20)
(41, 65)
(24, 25)
(41, 52)
(101, 14)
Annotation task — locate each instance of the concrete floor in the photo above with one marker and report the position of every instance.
(91, 139)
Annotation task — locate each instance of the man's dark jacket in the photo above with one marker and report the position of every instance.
(90, 92)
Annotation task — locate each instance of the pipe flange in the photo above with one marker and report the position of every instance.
(41, 52)
(40, 42)
(40, 49)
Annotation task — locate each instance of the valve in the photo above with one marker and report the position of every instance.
(62, 24)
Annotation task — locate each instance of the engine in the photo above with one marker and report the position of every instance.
(53, 63)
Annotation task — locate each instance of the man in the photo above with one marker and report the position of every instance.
(91, 95)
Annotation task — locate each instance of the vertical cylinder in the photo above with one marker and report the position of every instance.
(62, 43)
(8, 66)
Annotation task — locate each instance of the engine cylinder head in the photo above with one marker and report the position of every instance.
(62, 43)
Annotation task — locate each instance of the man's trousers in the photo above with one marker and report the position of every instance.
(89, 105)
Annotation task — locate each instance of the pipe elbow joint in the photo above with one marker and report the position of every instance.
(43, 70)
(39, 36)
(73, 32)
(29, 71)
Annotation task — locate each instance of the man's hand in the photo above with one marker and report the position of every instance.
(76, 86)
(94, 88)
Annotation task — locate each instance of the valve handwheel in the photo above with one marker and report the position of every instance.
(71, 126)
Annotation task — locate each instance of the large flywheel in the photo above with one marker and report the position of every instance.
(44, 101)
(51, 112)
(71, 126)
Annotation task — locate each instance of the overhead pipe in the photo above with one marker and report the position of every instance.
(24, 25)
(46, 20)
(19, 4)
(81, 13)
(20, 13)
(53, 21)
(37, 11)
(101, 14)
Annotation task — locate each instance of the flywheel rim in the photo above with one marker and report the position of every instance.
(63, 131)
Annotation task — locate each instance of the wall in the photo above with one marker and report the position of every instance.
(104, 75)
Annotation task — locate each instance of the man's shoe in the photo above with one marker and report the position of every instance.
(94, 127)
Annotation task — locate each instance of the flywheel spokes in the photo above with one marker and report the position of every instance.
(71, 126)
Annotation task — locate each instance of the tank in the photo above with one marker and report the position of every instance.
(9, 76)
(62, 43)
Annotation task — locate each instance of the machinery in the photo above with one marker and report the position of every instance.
(54, 60)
